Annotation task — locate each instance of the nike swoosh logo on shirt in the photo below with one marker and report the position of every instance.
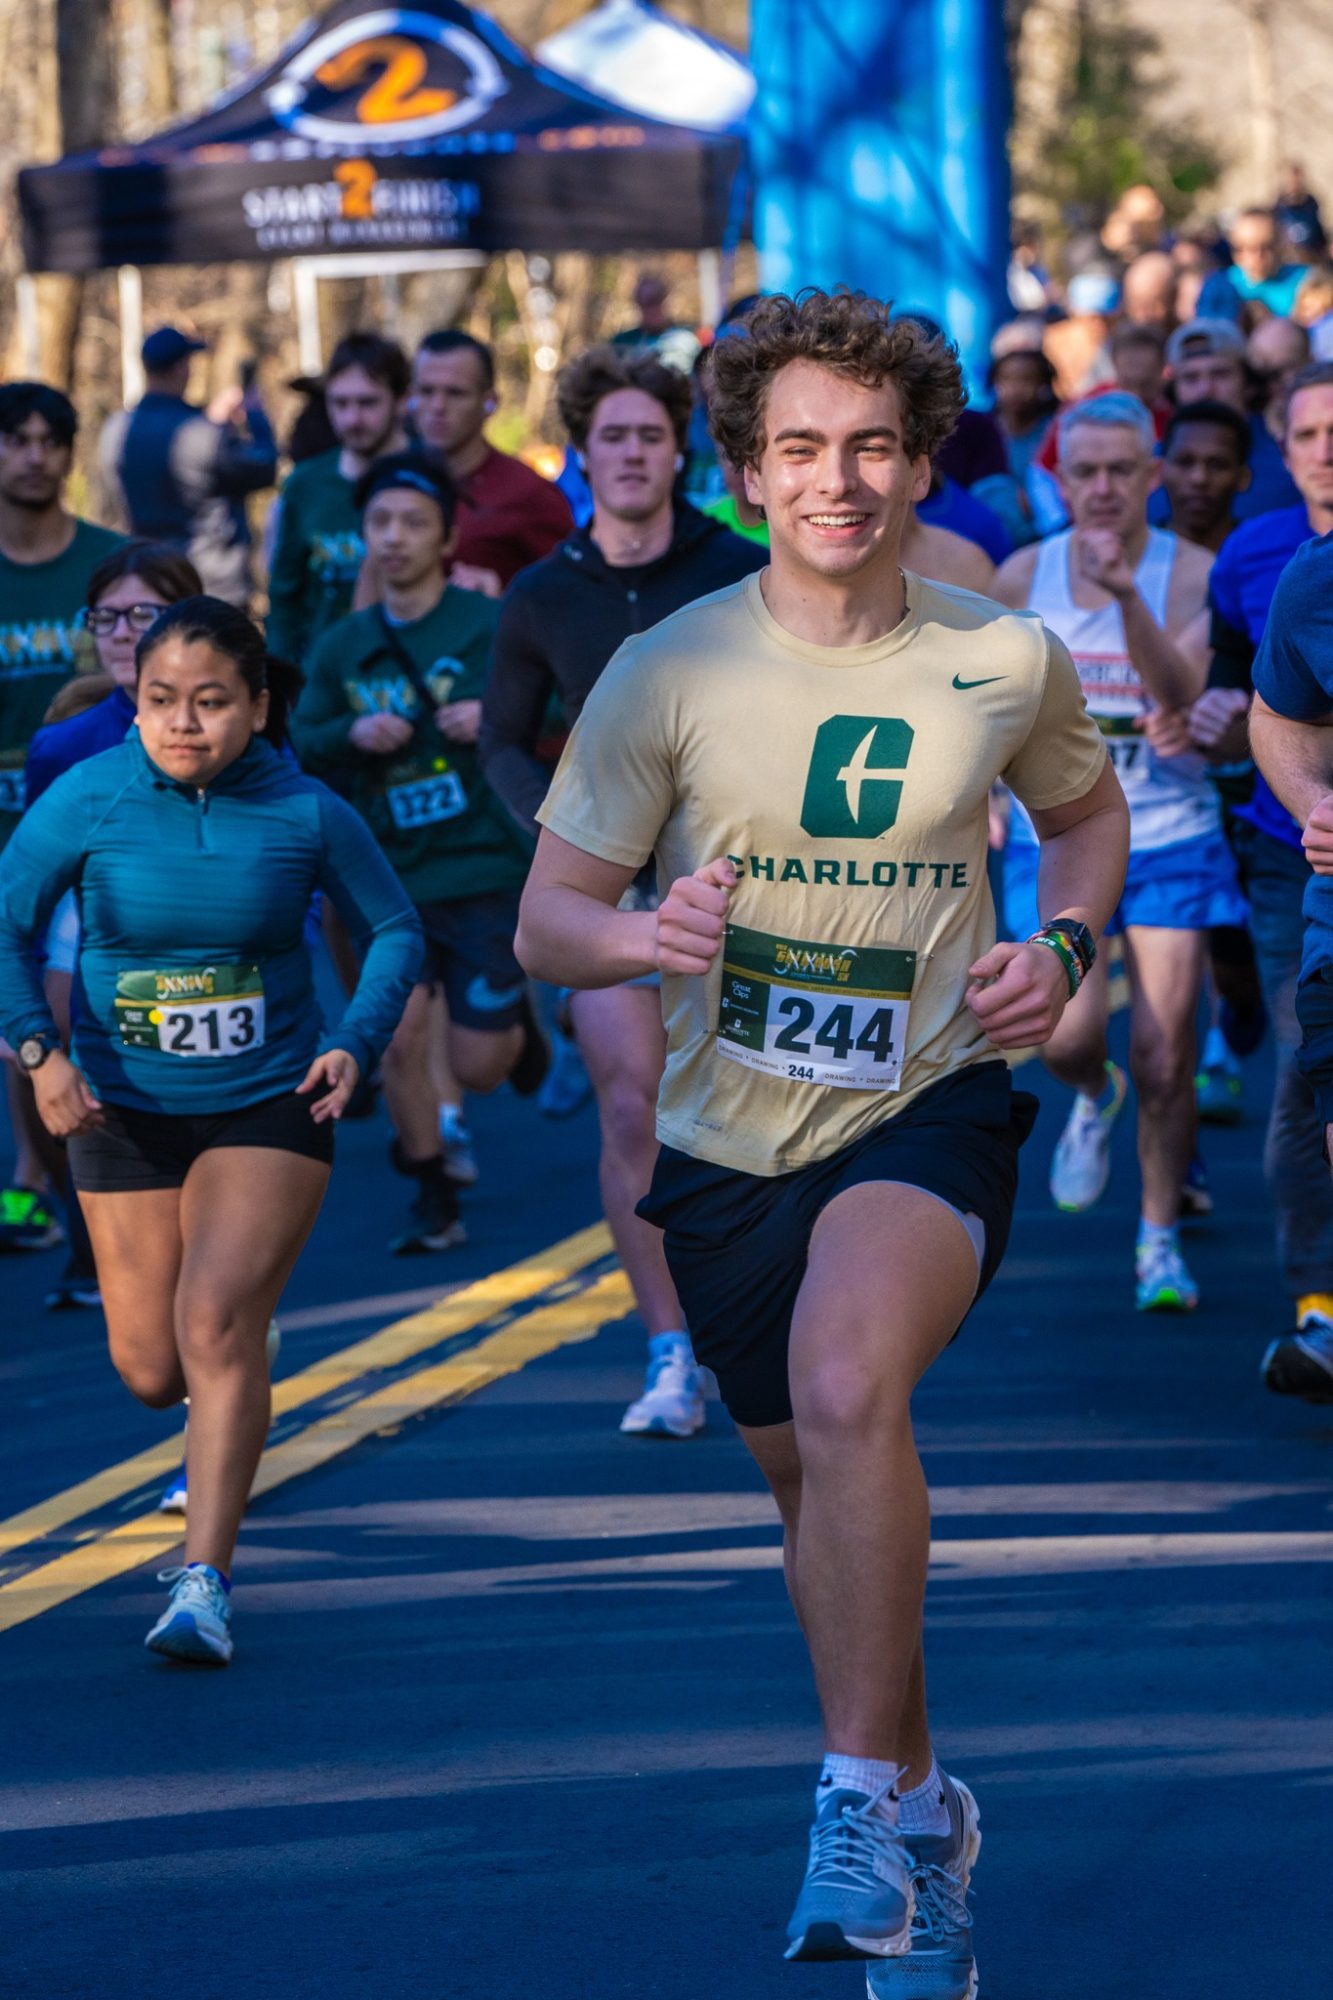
(977, 684)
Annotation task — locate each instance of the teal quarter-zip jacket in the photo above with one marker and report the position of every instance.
(194, 990)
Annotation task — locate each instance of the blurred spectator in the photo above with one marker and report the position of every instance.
(311, 434)
(1022, 381)
(1206, 359)
(1029, 282)
(657, 333)
(949, 505)
(1148, 291)
(1205, 467)
(1277, 351)
(1256, 272)
(1138, 359)
(1136, 223)
(182, 474)
(1297, 212)
(1196, 258)
(1077, 345)
(1314, 310)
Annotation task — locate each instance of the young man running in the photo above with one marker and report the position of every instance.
(810, 755)
(508, 515)
(643, 555)
(1205, 465)
(1277, 875)
(1128, 601)
(46, 558)
(319, 549)
(392, 707)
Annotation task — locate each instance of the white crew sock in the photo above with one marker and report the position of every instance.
(859, 1774)
(922, 1810)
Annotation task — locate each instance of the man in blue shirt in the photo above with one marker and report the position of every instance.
(1257, 270)
(1245, 589)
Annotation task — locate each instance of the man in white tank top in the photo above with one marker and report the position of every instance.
(1129, 601)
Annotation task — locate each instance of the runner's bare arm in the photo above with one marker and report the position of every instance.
(571, 933)
(1174, 670)
(1013, 579)
(1297, 760)
(1020, 990)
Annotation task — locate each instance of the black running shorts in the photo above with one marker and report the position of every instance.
(470, 953)
(134, 1150)
(736, 1243)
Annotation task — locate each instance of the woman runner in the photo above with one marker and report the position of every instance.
(200, 1103)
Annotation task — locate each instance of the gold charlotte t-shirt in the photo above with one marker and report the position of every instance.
(849, 785)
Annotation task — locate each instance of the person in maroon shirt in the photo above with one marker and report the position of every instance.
(508, 515)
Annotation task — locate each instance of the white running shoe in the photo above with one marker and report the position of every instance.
(1081, 1166)
(672, 1403)
(1162, 1278)
(196, 1625)
(460, 1162)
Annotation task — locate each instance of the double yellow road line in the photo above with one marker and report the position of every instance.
(575, 1305)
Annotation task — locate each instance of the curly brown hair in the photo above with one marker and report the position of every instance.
(849, 334)
(585, 381)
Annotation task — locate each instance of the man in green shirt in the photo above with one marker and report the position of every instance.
(46, 558)
(392, 710)
(318, 553)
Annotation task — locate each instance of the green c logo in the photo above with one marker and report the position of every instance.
(853, 790)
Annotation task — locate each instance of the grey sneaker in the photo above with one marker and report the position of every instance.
(196, 1624)
(856, 1900)
(1301, 1363)
(940, 1965)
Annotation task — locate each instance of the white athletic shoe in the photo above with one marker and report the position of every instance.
(196, 1624)
(1162, 1281)
(1081, 1166)
(672, 1403)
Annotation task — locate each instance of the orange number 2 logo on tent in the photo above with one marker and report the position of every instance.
(396, 93)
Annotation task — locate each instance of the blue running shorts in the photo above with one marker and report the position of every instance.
(1192, 886)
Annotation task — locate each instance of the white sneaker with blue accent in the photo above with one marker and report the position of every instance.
(857, 1899)
(1081, 1165)
(672, 1403)
(1162, 1281)
(196, 1625)
(941, 1964)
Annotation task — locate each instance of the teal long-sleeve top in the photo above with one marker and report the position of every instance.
(194, 991)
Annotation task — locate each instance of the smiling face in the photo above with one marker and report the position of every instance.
(1106, 475)
(834, 479)
(630, 453)
(196, 714)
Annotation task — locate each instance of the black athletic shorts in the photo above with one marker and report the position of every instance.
(736, 1243)
(1314, 1011)
(470, 953)
(133, 1150)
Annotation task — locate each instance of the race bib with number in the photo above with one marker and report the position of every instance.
(1126, 744)
(213, 1010)
(427, 801)
(815, 1013)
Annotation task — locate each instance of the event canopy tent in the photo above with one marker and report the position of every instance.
(387, 129)
(632, 52)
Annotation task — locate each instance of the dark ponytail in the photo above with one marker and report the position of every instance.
(227, 629)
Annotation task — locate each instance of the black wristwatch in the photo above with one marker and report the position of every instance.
(34, 1049)
(1079, 939)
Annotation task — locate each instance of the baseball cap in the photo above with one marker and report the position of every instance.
(167, 346)
(1204, 336)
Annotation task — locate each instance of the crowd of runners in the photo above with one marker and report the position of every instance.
(689, 784)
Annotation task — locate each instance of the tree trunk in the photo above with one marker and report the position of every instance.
(86, 102)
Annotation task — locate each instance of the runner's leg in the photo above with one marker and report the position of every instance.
(1077, 1052)
(245, 1214)
(623, 1044)
(409, 1090)
(137, 1243)
(482, 1061)
(890, 1276)
(1165, 970)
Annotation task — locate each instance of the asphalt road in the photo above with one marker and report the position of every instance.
(519, 1712)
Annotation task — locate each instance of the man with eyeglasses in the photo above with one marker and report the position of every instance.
(47, 556)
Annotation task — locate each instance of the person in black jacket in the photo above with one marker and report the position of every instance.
(643, 555)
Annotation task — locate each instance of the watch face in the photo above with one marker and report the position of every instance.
(32, 1053)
